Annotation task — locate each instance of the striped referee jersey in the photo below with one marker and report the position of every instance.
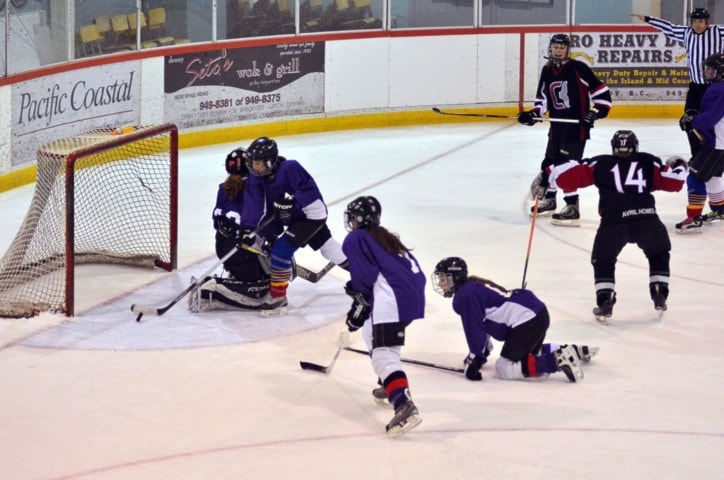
(698, 46)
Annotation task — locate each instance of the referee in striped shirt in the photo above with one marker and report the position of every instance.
(700, 40)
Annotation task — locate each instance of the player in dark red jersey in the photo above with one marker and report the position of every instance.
(625, 181)
(566, 90)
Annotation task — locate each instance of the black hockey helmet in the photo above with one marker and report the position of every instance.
(263, 149)
(624, 143)
(235, 163)
(559, 39)
(362, 212)
(699, 14)
(448, 275)
(714, 62)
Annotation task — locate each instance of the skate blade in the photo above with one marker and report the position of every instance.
(566, 223)
(660, 313)
(688, 231)
(276, 312)
(592, 352)
(603, 320)
(572, 375)
(409, 424)
(543, 214)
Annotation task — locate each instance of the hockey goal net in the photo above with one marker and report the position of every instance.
(103, 196)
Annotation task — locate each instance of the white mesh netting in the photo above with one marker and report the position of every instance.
(117, 197)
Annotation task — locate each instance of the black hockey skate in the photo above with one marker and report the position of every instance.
(569, 216)
(711, 217)
(689, 225)
(605, 300)
(585, 353)
(380, 396)
(406, 418)
(546, 207)
(659, 293)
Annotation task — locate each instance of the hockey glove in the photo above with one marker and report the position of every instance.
(676, 163)
(590, 118)
(227, 227)
(528, 117)
(538, 187)
(472, 365)
(686, 119)
(256, 242)
(283, 207)
(357, 316)
(356, 296)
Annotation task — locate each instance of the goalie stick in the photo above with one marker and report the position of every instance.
(342, 341)
(144, 310)
(485, 115)
(414, 362)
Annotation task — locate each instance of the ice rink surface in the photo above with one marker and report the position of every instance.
(220, 395)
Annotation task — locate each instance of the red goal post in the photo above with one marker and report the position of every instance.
(103, 196)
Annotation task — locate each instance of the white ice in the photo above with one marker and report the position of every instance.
(221, 395)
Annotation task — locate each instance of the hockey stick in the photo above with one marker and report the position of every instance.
(342, 342)
(485, 115)
(302, 272)
(414, 362)
(530, 239)
(141, 309)
(312, 276)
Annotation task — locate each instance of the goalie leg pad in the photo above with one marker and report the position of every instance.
(707, 163)
(227, 293)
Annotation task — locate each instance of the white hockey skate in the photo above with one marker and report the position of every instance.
(567, 359)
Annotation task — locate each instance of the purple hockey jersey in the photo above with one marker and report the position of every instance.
(393, 285)
(289, 178)
(226, 207)
(485, 312)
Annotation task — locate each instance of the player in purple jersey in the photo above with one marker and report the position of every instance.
(700, 40)
(627, 207)
(284, 188)
(388, 291)
(246, 282)
(707, 166)
(517, 318)
(566, 89)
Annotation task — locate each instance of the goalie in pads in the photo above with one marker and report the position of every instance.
(246, 281)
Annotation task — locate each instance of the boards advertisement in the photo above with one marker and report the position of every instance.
(232, 85)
